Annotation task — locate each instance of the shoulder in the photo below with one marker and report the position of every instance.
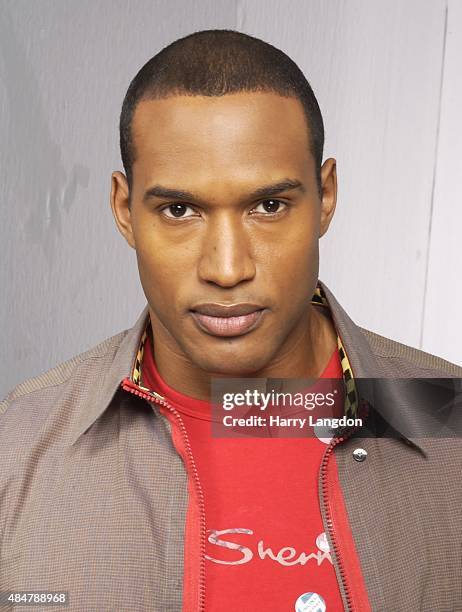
(409, 360)
(41, 388)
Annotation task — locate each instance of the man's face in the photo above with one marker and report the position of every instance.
(221, 243)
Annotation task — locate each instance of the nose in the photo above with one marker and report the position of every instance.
(226, 257)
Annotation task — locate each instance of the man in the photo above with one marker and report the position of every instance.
(112, 487)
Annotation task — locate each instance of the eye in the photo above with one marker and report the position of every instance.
(270, 206)
(177, 211)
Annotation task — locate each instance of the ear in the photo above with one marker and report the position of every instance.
(329, 193)
(121, 207)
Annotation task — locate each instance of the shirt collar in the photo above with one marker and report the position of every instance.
(410, 410)
(356, 358)
(102, 391)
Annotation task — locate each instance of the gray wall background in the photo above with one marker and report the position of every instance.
(387, 77)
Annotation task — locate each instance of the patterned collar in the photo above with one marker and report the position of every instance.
(351, 395)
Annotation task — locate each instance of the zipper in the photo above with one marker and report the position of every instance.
(152, 396)
(327, 512)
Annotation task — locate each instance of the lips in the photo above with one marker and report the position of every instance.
(227, 320)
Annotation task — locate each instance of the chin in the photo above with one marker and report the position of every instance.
(221, 365)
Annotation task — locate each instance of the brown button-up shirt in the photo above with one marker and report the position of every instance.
(93, 495)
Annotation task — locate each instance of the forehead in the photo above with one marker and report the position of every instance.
(248, 128)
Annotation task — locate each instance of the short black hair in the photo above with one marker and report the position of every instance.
(215, 63)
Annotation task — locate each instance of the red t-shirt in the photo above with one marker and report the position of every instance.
(266, 546)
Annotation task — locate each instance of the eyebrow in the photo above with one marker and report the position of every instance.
(157, 191)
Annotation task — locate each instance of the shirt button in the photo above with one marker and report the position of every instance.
(359, 454)
(310, 602)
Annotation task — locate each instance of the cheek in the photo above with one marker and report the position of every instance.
(166, 272)
(156, 275)
(292, 263)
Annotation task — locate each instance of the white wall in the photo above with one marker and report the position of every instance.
(442, 332)
(386, 76)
